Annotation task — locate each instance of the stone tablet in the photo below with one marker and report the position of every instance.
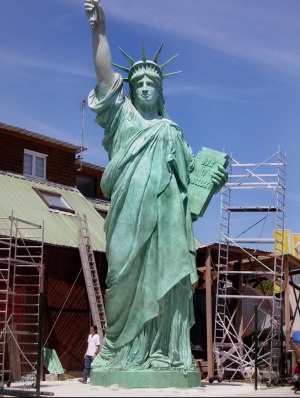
(201, 187)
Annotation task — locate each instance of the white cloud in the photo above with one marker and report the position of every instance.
(265, 33)
(215, 92)
(39, 62)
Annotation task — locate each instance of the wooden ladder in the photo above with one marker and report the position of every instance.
(91, 276)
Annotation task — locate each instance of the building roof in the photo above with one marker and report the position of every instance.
(92, 166)
(246, 256)
(101, 205)
(19, 198)
(44, 138)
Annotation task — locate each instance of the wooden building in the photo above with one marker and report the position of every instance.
(45, 181)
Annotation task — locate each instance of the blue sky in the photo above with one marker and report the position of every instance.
(239, 90)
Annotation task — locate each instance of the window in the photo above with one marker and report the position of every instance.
(34, 164)
(86, 185)
(55, 201)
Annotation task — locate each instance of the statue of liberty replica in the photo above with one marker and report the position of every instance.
(150, 243)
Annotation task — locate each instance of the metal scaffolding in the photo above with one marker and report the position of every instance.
(21, 257)
(248, 321)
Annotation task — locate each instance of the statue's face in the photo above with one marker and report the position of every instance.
(146, 91)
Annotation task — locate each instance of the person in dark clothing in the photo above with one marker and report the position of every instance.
(198, 333)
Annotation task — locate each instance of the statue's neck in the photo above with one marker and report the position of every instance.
(147, 112)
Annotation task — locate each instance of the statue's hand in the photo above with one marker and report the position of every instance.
(219, 178)
(94, 12)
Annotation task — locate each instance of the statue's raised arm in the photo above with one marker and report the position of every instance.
(102, 56)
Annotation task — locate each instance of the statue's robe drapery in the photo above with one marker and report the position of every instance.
(150, 243)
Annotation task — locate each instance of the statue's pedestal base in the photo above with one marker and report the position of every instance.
(145, 378)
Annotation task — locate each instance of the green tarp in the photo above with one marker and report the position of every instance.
(52, 362)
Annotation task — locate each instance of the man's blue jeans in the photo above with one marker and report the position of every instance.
(87, 367)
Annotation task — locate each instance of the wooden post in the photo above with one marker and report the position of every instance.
(237, 304)
(287, 314)
(13, 355)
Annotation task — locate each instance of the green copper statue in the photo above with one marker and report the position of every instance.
(150, 243)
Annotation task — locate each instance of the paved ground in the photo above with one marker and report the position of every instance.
(72, 388)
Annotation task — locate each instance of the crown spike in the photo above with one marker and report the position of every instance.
(144, 57)
(122, 67)
(128, 57)
(156, 56)
(171, 74)
(167, 62)
(145, 66)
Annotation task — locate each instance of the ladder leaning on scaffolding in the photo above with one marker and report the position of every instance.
(91, 276)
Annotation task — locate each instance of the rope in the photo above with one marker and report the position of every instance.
(62, 307)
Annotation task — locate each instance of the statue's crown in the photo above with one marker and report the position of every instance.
(145, 66)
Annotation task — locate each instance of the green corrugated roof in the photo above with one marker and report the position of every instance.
(18, 197)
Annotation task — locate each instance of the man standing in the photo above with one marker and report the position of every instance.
(92, 350)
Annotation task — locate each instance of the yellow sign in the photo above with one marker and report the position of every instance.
(289, 242)
(295, 244)
(282, 242)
